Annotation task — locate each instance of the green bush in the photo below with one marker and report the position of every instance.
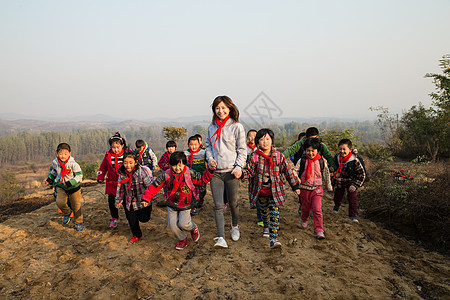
(375, 150)
(10, 188)
(89, 170)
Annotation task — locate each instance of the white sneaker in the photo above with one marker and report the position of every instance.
(235, 234)
(220, 242)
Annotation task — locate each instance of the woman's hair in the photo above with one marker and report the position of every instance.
(314, 143)
(234, 111)
(345, 142)
(171, 144)
(177, 157)
(116, 138)
(262, 132)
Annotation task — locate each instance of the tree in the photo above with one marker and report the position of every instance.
(174, 133)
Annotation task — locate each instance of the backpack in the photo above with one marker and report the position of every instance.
(303, 164)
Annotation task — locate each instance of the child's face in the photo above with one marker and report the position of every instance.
(63, 154)
(171, 149)
(222, 111)
(116, 147)
(251, 137)
(193, 146)
(344, 150)
(129, 163)
(265, 143)
(177, 169)
(311, 152)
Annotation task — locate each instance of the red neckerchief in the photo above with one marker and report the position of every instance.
(267, 157)
(177, 181)
(342, 159)
(129, 179)
(143, 150)
(218, 132)
(116, 161)
(309, 169)
(191, 156)
(64, 169)
(253, 147)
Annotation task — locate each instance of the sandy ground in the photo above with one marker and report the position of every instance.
(42, 259)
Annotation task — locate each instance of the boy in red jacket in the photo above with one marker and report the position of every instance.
(180, 182)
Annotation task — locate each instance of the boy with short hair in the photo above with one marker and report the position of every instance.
(196, 160)
(200, 140)
(163, 163)
(65, 173)
(350, 176)
(146, 156)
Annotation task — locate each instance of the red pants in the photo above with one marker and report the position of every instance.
(352, 200)
(312, 200)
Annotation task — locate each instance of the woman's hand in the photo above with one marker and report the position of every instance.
(237, 173)
(212, 164)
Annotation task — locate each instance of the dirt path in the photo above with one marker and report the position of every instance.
(42, 259)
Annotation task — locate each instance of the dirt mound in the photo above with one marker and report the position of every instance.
(43, 259)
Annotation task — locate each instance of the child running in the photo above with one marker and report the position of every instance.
(251, 147)
(134, 179)
(146, 155)
(163, 163)
(313, 171)
(196, 160)
(265, 167)
(349, 176)
(181, 182)
(109, 168)
(66, 174)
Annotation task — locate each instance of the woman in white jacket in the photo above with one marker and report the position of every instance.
(226, 150)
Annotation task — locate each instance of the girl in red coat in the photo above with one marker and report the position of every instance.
(109, 167)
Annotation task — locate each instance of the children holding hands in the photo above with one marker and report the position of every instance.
(180, 181)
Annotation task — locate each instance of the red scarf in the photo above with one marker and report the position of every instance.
(116, 161)
(64, 169)
(191, 156)
(143, 150)
(267, 157)
(309, 169)
(177, 181)
(253, 147)
(342, 159)
(218, 132)
(129, 179)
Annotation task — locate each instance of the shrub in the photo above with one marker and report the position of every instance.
(10, 188)
(377, 151)
(89, 170)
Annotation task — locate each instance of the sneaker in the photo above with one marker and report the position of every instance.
(181, 244)
(66, 219)
(235, 234)
(303, 224)
(266, 232)
(275, 244)
(79, 227)
(134, 239)
(195, 234)
(320, 235)
(113, 222)
(354, 219)
(335, 209)
(220, 242)
(260, 224)
(194, 211)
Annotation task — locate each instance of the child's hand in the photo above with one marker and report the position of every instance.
(144, 203)
(118, 205)
(99, 181)
(155, 168)
(212, 163)
(297, 191)
(237, 173)
(352, 188)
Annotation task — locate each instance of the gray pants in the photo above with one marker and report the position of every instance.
(180, 221)
(219, 182)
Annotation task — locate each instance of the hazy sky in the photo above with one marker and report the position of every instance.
(146, 59)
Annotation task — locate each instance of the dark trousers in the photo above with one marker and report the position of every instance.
(112, 206)
(352, 200)
(135, 216)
